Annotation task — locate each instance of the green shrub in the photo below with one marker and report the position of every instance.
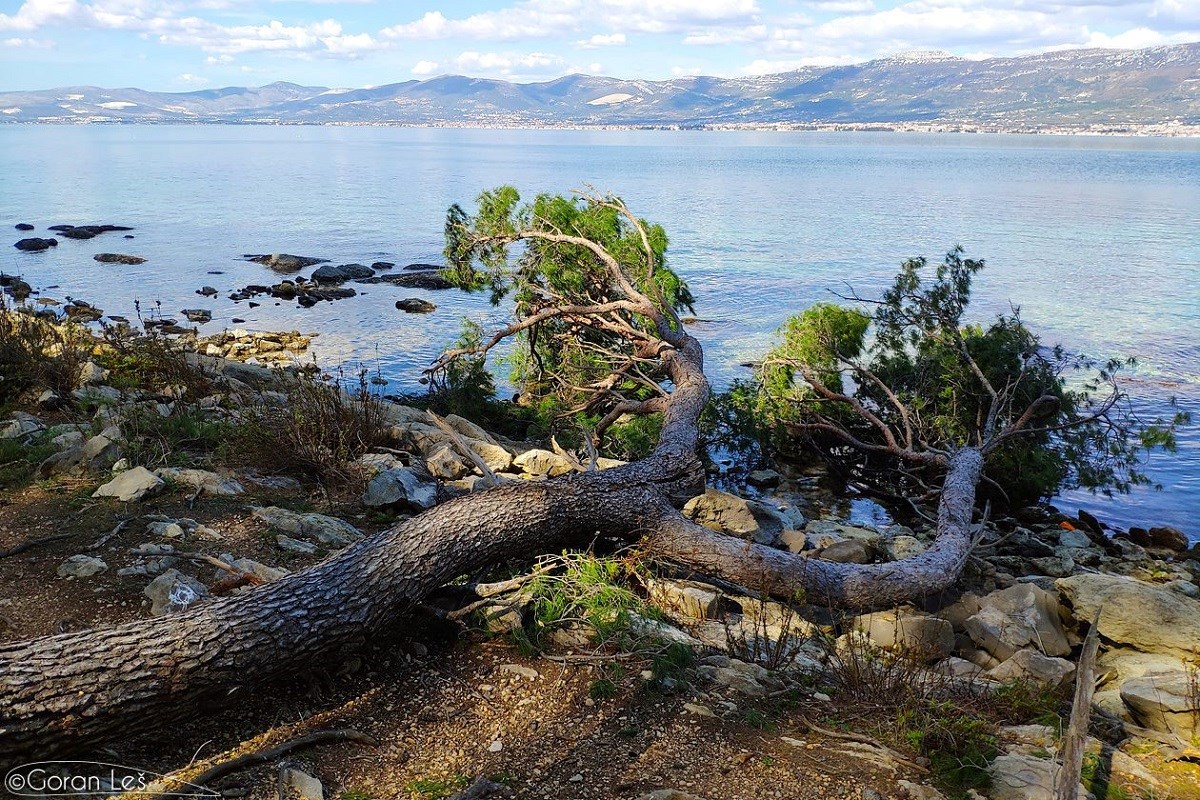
(187, 436)
(19, 461)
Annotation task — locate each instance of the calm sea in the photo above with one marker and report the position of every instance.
(1096, 239)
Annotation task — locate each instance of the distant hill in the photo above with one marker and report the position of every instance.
(1070, 88)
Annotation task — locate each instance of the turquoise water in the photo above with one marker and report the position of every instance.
(1096, 239)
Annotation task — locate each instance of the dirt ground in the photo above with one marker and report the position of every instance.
(444, 704)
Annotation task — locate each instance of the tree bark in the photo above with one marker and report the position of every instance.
(65, 692)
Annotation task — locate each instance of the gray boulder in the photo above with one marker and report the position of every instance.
(1136, 614)
(20, 425)
(909, 631)
(1020, 616)
(1017, 776)
(400, 486)
(727, 513)
(1032, 665)
(850, 551)
(173, 591)
(81, 566)
(1164, 702)
(208, 482)
(329, 531)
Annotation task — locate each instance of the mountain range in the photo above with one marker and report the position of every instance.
(1117, 89)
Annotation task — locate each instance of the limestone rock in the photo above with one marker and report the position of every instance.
(902, 547)
(851, 551)
(81, 566)
(909, 631)
(20, 425)
(209, 483)
(1024, 777)
(919, 791)
(400, 486)
(1137, 614)
(291, 545)
(542, 462)
(446, 464)
(841, 531)
(746, 519)
(794, 541)
(90, 373)
(685, 598)
(301, 785)
(329, 531)
(1032, 665)
(260, 570)
(173, 591)
(1164, 702)
(1017, 617)
(131, 485)
(496, 457)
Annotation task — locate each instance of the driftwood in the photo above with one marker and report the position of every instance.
(1066, 781)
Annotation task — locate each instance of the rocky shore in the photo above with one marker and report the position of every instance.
(1035, 582)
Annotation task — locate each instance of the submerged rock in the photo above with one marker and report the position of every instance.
(35, 244)
(413, 280)
(285, 262)
(118, 258)
(197, 314)
(415, 305)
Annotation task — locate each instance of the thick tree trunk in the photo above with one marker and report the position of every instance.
(64, 692)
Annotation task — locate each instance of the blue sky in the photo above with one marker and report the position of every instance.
(178, 45)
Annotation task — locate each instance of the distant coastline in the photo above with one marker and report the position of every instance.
(1171, 130)
(1151, 92)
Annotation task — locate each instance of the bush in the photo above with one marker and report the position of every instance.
(878, 395)
(37, 353)
(187, 436)
(312, 429)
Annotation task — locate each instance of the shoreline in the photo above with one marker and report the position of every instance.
(1172, 130)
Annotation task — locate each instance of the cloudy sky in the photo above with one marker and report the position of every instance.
(193, 44)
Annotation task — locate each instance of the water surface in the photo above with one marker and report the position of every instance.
(1096, 239)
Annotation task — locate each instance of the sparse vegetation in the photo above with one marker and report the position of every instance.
(311, 428)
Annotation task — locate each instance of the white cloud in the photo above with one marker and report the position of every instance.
(722, 36)
(424, 68)
(766, 66)
(531, 19)
(193, 80)
(34, 14)
(843, 6)
(1137, 38)
(508, 64)
(28, 43)
(602, 40)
